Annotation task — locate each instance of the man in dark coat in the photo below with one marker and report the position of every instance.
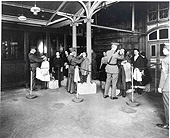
(34, 63)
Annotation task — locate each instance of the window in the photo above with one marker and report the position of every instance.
(153, 51)
(12, 45)
(161, 49)
(163, 34)
(152, 12)
(163, 10)
(153, 36)
(158, 11)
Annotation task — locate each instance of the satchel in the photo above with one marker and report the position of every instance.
(53, 84)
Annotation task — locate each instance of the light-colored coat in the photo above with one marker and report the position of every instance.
(164, 80)
(115, 57)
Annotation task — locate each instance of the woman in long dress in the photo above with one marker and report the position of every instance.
(58, 64)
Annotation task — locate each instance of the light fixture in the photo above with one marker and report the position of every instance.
(22, 17)
(35, 9)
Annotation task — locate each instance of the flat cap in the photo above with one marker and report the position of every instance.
(166, 45)
(73, 49)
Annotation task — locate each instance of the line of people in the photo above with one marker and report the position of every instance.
(61, 67)
(115, 71)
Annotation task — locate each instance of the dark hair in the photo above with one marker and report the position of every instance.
(136, 49)
(143, 53)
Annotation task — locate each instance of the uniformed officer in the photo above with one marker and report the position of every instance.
(164, 85)
(34, 63)
(112, 69)
(73, 60)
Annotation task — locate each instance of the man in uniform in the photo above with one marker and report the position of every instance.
(73, 60)
(34, 63)
(164, 85)
(112, 70)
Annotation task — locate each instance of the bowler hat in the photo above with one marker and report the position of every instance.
(166, 45)
(72, 49)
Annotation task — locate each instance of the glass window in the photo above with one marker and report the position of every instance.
(163, 14)
(158, 9)
(161, 49)
(153, 36)
(12, 45)
(163, 34)
(38, 39)
(152, 12)
(153, 50)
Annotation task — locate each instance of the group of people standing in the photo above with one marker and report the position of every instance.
(62, 65)
(115, 71)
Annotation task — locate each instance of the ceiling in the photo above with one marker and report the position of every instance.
(53, 14)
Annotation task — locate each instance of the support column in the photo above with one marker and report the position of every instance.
(74, 37)
(133, 17)
(88, 44)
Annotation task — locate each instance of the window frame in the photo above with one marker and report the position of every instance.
(151, 50)
(157, 13)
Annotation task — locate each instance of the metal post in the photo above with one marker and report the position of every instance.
(31, 96)
(132, 103)
(132, 85)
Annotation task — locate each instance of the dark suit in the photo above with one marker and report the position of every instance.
(34, 63)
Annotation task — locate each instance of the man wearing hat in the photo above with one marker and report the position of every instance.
(164, 85)
(34, 63)
(73, 60)
(112, 70)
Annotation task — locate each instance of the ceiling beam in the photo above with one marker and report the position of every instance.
(116, 29)
(61, 5)
(28, 21)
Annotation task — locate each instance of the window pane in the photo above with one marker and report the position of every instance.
(152, 7)
(153, 36)
(163, 34)
(163, 14)
(163, 5)
(12, 45)
(161, 49)
(153, 50)
(152, 16)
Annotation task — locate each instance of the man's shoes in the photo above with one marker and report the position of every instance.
(164, 126)
(113, 98)
(105, 96)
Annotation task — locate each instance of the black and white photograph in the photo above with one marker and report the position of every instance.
(84, 69)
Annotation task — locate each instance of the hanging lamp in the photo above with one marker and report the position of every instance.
(35, 9)
(22, 17)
